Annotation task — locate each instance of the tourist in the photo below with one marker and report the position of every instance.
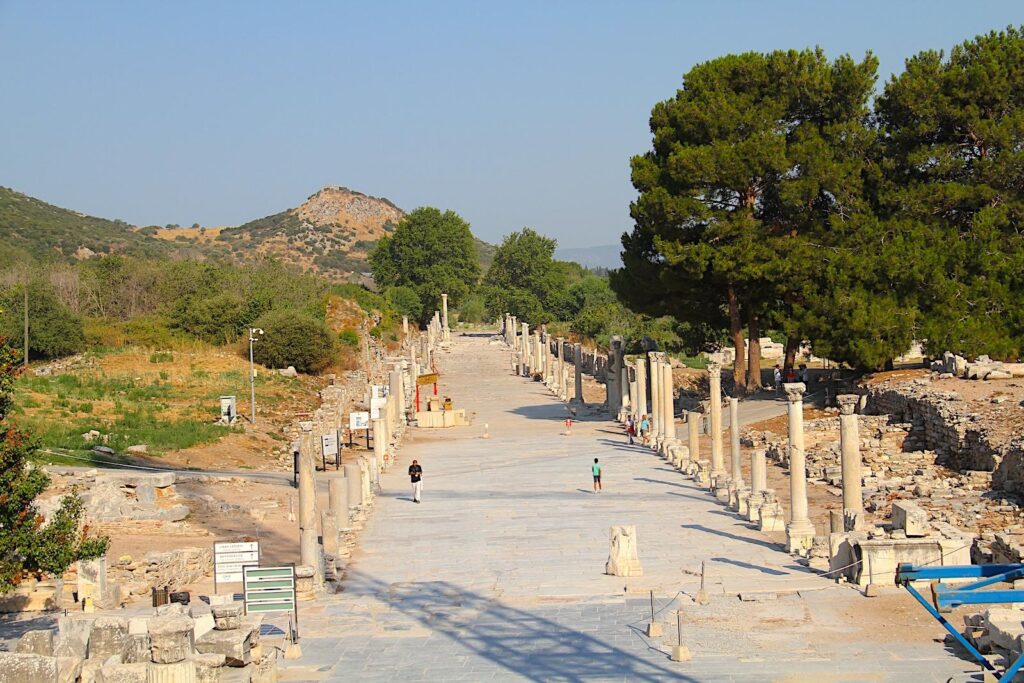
(630, 428)
(790, 375)
(645, 430)
(804, 373)
(595, 469)
(416, 475)
(778, 379)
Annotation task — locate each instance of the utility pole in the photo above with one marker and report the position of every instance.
(253, 331)
(25, 361)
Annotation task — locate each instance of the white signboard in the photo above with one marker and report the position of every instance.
(380, 391)
(375, 405)
(330, 443)
(357, 421)
(229, 558)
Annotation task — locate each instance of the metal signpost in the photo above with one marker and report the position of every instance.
(329, 443)
(229, 559)
(356, 422)
(269, 589)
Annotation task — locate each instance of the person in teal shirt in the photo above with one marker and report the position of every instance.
(645, 430)
(596, 471)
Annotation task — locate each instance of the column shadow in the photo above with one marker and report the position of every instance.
(522, 642)
(735, 537)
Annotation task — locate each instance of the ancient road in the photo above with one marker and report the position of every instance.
(499, 573)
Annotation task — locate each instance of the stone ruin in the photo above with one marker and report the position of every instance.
(176, 644)
(623, 559)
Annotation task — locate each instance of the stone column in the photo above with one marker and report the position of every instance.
(632, 376)
(353, 485)
(799, 531)
(849, 445)
(309, 550)
(625, 399)
(641, 387)
(446, 331)
(527, 360)
(734, 437)
(559, 366)
(613, 376)
(657, 428)
(717, 457)
(577, 362)
(337, 493)
(693, 419)
(380, 437)
(396, 395)
(667, 403)
(537, 367)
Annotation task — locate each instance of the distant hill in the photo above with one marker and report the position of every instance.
(331, 233)
(45, 231)
(601, 256)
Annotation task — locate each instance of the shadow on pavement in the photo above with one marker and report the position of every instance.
(735, 537)
(524, 643)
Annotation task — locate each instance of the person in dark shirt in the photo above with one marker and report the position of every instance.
(416, 475)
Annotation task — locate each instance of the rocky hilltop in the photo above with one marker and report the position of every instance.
(332, 232)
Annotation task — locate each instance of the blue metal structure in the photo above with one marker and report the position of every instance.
(945, 597)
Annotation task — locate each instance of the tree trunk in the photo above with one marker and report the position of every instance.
(792, 346)
(739, 367)
(754, 355)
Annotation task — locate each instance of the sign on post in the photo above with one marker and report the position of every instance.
(357, 421)
(268, 589)
(230, 558)
(330, 443)
(430, 378)
(380, 391)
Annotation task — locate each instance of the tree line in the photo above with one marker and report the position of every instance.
(781, 193)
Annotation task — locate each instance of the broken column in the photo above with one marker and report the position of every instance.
(717, 457)
(799, 531)
(623, 559)
(309, 550)
(758, 484)
(849, 446)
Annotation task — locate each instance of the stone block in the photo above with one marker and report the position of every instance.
(38, 598)
(911, 518)
(234, 645)
(171, 638)
(264, 670)
(122, 673)
(227, 617)
(1004, 626)
(72, 637)
(36, 642)
(24, 667)
(138, 650)
(69, 669)
(208, 667)
(177, 672)
(204, 624)
(108, 638)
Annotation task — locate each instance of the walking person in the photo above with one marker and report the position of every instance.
(595, 469)
(416, 475)
(778, 379)
(645, 430)
(630, 429)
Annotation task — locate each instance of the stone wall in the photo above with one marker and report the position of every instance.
(174, 569)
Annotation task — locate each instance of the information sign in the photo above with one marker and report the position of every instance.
(357, 421)
(230, 558)
(268, 589)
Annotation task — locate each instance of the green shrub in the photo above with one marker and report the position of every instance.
(405, 301)
(349, 337)
(294, 339)
(161, 357)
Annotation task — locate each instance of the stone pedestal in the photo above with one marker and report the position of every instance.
(771, 516)
(305, 586)
(170, 638)
(800, 530)
(717, 457)
(623, 559)
(849, 440)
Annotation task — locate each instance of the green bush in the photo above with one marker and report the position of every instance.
(161, 357)
(54, 331)
(349, 337)
(293, 339)
(405, 301)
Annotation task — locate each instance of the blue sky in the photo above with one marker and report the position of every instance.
(512, 114)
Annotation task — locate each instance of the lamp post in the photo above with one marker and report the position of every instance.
(253, 331)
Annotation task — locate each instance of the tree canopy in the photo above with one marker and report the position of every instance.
(29, 545)
(433, 253)
(525, 279)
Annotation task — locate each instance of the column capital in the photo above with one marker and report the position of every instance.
(848, 403)
(714, 370)
(794, 391)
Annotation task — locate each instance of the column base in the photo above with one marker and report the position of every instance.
(799, 536)
(738, 496)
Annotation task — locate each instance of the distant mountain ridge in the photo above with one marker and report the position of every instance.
(600, 256)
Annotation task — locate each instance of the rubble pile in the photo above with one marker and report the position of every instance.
(177, 643)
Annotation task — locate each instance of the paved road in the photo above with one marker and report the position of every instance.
(498, 574)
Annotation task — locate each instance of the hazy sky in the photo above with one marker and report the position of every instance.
(510, 113)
